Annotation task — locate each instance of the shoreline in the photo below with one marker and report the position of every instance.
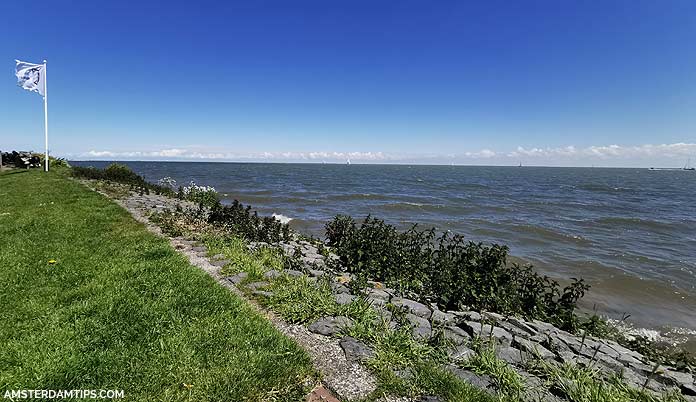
(613, 292)
(266, 289)
(601, 299)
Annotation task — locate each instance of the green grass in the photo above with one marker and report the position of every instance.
(586, 384)
(235, 250)
(509, 383)
(298, 300)
(419, 365)
(120, 309)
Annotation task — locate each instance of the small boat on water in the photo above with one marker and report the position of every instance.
(686, 167)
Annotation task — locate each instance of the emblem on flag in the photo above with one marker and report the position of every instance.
(31, 77)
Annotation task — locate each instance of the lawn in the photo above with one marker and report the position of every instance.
(120, 309)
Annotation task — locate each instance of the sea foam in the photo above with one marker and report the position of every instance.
(281, 218)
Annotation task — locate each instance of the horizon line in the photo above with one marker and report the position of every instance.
(398, 163)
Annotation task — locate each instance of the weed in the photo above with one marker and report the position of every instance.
(587, 384)
(507, 380)
(299, 300)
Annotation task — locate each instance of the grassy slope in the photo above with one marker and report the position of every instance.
(121, 309)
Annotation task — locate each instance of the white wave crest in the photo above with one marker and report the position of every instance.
(281, 218)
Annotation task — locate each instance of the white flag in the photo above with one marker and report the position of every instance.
(31, 77)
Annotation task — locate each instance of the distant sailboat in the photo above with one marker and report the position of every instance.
(520, 164)
(688, 166)
(348, 161)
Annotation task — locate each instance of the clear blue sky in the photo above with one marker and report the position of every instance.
(489, 82)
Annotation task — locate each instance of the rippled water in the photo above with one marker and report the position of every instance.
(630, 232)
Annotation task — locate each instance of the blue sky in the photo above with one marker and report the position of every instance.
(542, 82)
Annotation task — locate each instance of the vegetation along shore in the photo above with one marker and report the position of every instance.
(370, 312)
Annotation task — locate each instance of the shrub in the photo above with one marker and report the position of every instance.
(339, 229)
(451, 271)
(122, 174)
(242, 221)
(204, 196)
(119, 173)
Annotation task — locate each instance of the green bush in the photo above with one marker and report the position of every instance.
(122, 174)
(204, 196)
(451, 271)
(242, 221)
(119, 173)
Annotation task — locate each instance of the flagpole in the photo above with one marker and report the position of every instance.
(46, 112)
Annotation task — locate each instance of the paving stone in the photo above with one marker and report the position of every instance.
(474, 329)
(535, 391)
(456, 335)
(344, 298)
(482, 382)
(262, 293)
(377, 302)
(329, 326)
(460, 352)
(384, 316)
(439, 317)
(510, 355)
(414, 307)
(378, 294)
(218, 257)
(467, 315)
(237, 278)
(421, 328)
(311, 261)
(257, 285)
(569, 357)
(633, 379)
(684, 381)
(219, 263)
(271, 274)
(493, 317)
(538, 338)
(339, 288)
(513, 329)
(621, 349)
(532, 348)
(294, 273)
(317, 273)
(628, 360)
(355, 350)
(404, 374)
(553, 344)
(199, 249)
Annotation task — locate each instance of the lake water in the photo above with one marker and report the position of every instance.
(630, 232)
